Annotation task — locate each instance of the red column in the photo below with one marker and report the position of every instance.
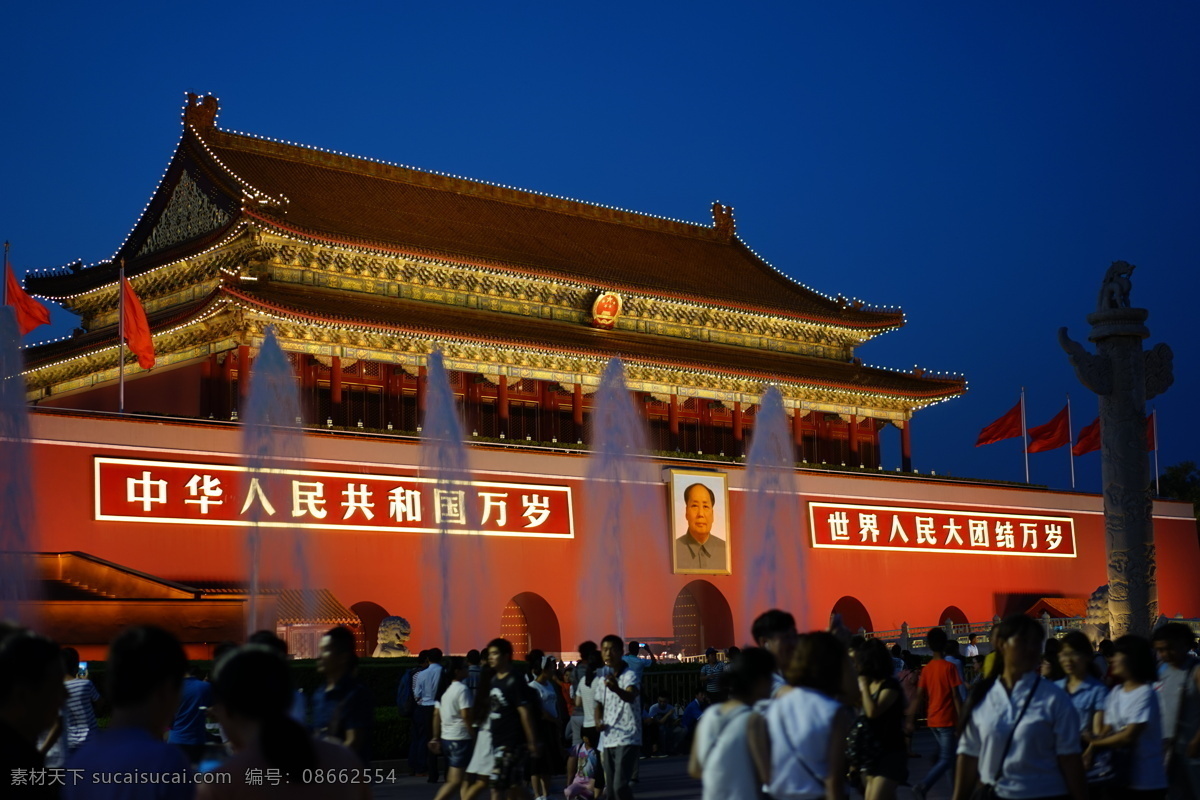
(704, 428)
(208, 370)
(224, 406)
(798, 432)
(855, 459)
(820, 436)
(386, 372)
(335, 390)
(906, 446)
(737, 428)
(673, 421)
(577, 411)
(422, 379)
(502, 406)
(547, 411)
(470, 403)
(304, 361)
(243, 361)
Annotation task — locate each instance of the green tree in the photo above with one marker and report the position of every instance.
(1182, 482)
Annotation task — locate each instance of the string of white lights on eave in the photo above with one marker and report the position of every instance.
(294, 234)
(222, 302)
(243, 224)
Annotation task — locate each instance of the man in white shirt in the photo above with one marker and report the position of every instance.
(972, 646)
(425, 686)
(619, 714)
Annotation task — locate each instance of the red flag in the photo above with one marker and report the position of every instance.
(137, 328)
(1151, 443)
(1054, 434)
(30, 313)
(1006, 427)
(1089, 439)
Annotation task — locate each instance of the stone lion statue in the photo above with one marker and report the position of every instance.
(393, 633)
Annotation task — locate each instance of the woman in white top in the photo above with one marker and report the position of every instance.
(479, 771)
(808, 725)
(732, 751)
(451, 727)
(585, 698)
(1131, 724)
(1021, 732)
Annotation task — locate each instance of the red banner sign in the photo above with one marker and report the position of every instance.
(129, 490)
(936, 530)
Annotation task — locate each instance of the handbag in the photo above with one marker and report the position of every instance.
(987, 791)
(863, 748)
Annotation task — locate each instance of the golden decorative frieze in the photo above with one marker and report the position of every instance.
(233, 325)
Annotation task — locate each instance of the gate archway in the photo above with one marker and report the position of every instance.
(530, 623)
(854, 614)
(701, 619)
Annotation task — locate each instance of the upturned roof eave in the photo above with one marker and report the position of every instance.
(887, 321)
(55, 353)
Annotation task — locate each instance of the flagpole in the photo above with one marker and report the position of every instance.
(121, 340)
(4, 288)
(1024, 434)
(1070, 440)
(1154, 414)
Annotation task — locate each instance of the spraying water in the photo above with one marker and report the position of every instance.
(620, 490)
(279, 557)
(770, 513)
(17, 522)
(456, 558)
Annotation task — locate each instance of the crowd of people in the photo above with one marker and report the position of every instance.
(798, 716)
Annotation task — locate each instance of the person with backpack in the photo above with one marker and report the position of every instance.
(1020, 736)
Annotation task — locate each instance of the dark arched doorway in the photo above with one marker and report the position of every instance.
(371, 615)
(701, 619)
(954, 614)
(530, 623)
(854, 614)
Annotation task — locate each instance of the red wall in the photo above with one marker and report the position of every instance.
(172, 392)
(398, 571)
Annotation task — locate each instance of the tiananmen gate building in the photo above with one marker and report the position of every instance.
(363, 269)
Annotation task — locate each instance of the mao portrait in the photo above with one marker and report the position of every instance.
(699, 522)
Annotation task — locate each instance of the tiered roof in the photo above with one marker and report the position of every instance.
(223, 186)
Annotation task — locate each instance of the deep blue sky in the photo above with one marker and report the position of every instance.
(979, 165)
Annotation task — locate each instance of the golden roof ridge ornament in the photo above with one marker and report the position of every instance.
(723, 222)
(201, 112)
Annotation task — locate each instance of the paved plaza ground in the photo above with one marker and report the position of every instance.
(661, 779)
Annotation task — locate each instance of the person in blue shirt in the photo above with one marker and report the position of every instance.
(634, 659)
(1088, 694)
(691, 716)
(342, 708)
(145, 669)
(188, 729)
